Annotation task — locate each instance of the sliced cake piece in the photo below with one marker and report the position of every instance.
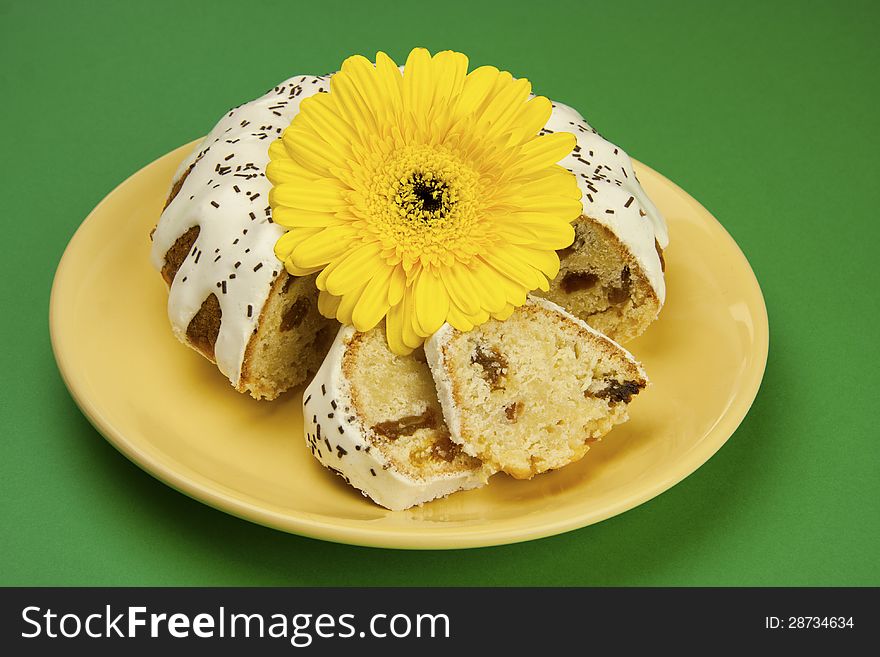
(531, 393)
(612, 274)
(602, 282)
(373, 417)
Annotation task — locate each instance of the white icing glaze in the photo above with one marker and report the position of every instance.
(436, 357)
(611, 193)
(227, 195)
(337, 438)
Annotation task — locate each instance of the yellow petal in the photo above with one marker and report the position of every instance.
(294, 270)
(464, 322)
(361, 71)
(450, 71)
(493, 288)
(550, 234)
(391, 81)
(328, 304)
(458, 281)
(505, 313)
(318, 196)
(504, 288)
(530, 117)
(394, 323)
(565, 208)
(431, 302)
(347, 304)
(320, 280)
(417, 92)
(543, 151)
(504, 106)
(322, 247)
(296, 218)
(283, 169)
(501, 83)
(310, 151)
(477, 86)
(323, 120)
(458, 320)
(396, 285)
(503, 261)
(350, 100)
(353, 269)
(291, 239)
(373, 303)
(554, 181)
(519, 233)
(277, 152)
(546, 261)
(408, 334)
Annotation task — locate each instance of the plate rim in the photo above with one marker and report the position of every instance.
(481, 536)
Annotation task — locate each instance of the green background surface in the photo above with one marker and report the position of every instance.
(766, 112)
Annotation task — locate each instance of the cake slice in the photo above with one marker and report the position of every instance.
(373, 417)
(612, 275)
(602, 282)
(531, 394)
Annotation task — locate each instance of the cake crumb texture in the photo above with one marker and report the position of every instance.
(396, 403)
(601, 282)
(531, 393)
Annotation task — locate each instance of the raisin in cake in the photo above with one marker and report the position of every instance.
(612, 275)
(230, 298)
(531, 393)
(373, 417)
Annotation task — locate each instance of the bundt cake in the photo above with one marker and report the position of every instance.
(230, 298)
(531, 393)
(373, 417)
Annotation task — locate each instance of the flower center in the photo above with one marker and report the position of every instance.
(423, 197)
(423, 203)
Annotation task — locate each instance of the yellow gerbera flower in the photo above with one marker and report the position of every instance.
(422, 197)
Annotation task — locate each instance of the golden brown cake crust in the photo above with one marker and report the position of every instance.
(178, 184)
(177, 254)
(204, 327)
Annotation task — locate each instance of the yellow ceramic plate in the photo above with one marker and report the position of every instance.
(173, 413)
